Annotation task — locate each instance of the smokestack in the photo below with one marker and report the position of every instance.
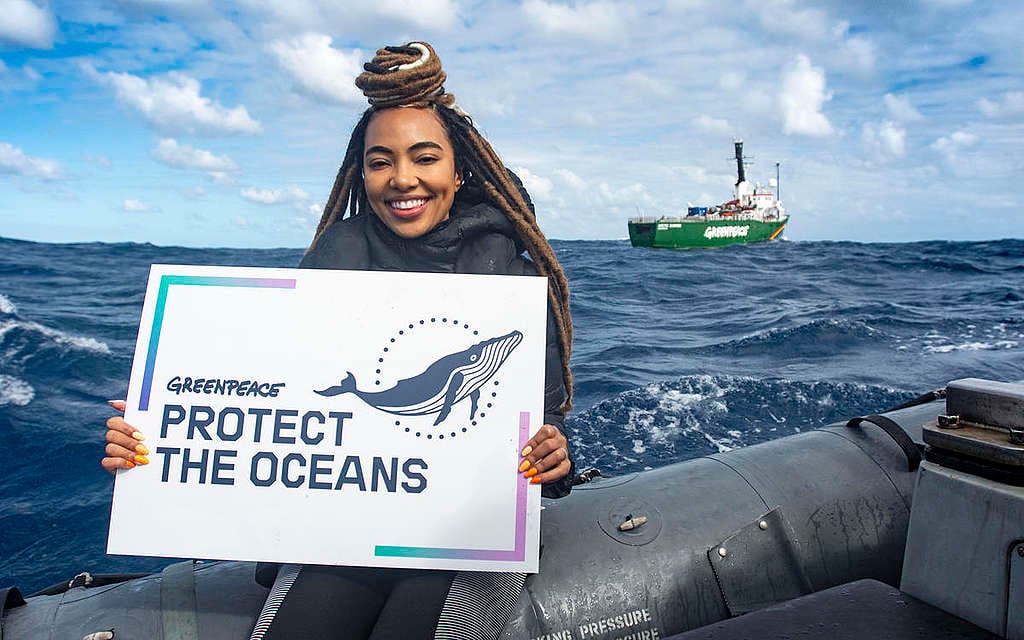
(739, 161)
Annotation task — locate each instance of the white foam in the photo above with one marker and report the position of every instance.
(76, 342)
(15, 391)
(972, 346)
(6, 306)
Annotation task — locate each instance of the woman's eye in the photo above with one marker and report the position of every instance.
(426, 159)
(377, 164)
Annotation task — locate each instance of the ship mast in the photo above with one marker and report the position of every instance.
(740, 175)
(778, 184)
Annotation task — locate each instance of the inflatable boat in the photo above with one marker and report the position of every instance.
(901, 525)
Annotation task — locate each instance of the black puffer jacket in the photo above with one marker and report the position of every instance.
(476, 238)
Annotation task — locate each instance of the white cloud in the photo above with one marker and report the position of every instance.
(571, 179)
(700, 175)
(320, 70)
(26, 24)
(783, 16)
(539, 187)
(194, 193)
(802, 96)
(861, 52)
(174, 103)
(628, 196)
(13, 160)
(480, 106)
(594, 20)
(183, 156)
(713, 125)
(361, 17)
(648, 85)
(133, 205)
(1011, 104)
(950, 146)
(732, 80)
(289, 195)
(222, 178)
(900, 108)
(427, 14)
(583, 119)
(884, 141)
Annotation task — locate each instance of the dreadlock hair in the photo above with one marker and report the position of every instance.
(411, 76)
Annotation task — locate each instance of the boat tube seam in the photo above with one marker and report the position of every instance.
(885, 471)
(744, 478)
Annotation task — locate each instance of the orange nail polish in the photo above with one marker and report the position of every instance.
(534, 480)
(138, 435)
(141, 460)
(526, 450)
(524, 466)
(141, 448)
(532, 472)
(129, 464)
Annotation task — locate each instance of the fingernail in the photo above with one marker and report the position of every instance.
(141, 448)
(526, 450)
(141, 460)
(129, 464)
(138, 435)
(111, 402)
(534, 480)
(525, 465)
(532, 472)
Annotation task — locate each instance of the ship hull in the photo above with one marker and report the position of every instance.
(684, 233)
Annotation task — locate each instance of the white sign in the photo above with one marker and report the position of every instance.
(335, 417)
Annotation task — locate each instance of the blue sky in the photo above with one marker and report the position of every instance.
(209, 123)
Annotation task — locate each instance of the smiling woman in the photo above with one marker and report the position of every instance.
(419, 190)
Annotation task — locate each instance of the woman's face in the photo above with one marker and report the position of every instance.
(409, 170)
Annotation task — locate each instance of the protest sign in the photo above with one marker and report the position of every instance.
(335, 417)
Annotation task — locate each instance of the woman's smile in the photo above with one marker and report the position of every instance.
(408, 207)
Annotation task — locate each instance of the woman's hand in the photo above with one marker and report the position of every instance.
(124, 443)
(546, 456)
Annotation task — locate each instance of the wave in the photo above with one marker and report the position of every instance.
(6, 306)
(818, 337)
(700, 415)
(15, 391)
(82, 343)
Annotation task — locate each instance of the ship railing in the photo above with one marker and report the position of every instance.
(747, 215)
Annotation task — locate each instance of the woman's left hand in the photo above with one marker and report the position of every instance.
(545, 456)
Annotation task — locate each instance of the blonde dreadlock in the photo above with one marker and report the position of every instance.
(412, 76)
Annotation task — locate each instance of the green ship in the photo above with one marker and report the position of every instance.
(753, 215)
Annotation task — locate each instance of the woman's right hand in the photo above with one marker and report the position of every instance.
(124, 443)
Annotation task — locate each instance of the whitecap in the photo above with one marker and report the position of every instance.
(6, 306)
(15, 391)
(83, 343)
(971, 346)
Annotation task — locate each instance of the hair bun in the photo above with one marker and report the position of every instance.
(406, 75)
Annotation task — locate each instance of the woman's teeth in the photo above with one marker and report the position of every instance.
(408, 204)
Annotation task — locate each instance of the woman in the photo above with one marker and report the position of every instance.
(423, 191)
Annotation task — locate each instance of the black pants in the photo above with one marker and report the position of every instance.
(343, 603)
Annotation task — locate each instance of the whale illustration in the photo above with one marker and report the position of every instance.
(447, 381)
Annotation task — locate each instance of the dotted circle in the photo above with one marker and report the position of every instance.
(406, 331)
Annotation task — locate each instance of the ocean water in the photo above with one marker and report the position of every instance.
(678, 354)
